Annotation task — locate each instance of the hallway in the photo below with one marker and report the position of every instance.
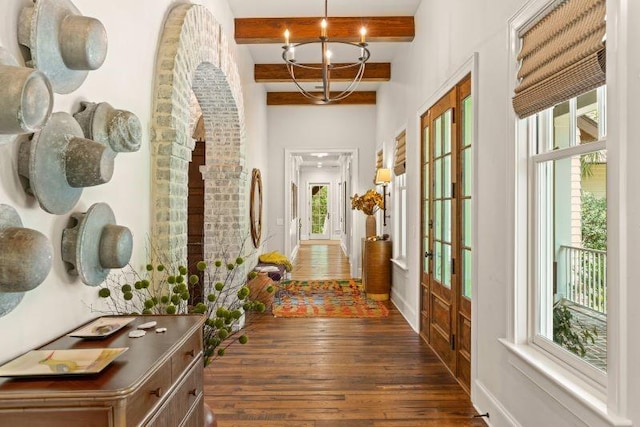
(320, 259)
(333, 372)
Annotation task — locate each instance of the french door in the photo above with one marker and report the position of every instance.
(319, 225)
(446, 229)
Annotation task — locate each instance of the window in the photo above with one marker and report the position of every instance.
(400, 188)
(561, 199)
(400, 235)
(567, 182)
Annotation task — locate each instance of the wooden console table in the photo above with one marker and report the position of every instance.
(376, 268)
(157, 382)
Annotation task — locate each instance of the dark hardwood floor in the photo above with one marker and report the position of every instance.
(316, 372)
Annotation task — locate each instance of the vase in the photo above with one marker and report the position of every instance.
(370, 226)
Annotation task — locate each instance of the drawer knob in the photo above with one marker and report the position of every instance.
(192, 353)
(193, 391)
(157, 392)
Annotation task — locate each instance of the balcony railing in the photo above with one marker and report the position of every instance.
(585, 272)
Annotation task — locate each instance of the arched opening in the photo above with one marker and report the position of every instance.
(196, 74)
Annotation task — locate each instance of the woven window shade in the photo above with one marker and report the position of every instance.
(562, 56)
(379, 159)
(400, 155)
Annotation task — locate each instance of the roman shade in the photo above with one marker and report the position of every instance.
(562, 56)
(379, 163)
(400, 155)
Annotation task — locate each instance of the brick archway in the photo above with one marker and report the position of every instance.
(194, 58)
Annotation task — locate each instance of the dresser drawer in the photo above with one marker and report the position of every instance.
(195, 418)
(52, 417)
(190, 350)
(181, 400)
(149, 395)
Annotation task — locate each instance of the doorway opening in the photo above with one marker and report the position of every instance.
(319, 212)
(317, 188)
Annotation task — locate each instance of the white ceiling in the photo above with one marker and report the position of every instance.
(272, 53)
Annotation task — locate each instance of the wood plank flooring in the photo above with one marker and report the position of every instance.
(319, 372)
(320, 259)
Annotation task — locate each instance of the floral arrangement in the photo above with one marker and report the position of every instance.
(161, 289)
(369, 203)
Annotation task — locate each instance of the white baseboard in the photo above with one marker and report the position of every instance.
(484, 401)
(406, 310)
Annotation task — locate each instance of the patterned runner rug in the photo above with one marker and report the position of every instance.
(325, 298)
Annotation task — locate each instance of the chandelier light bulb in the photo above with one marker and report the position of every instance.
(325, 68)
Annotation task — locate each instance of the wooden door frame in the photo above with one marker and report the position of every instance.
(470, 66)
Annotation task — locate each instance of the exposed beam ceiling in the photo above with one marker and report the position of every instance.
(271, 30)
(277, 73)
(296, 98)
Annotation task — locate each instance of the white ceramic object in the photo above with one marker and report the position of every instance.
(137, 333)
(26, 98)
(119, 129)
(148, 325)
(64, 45)
(56, 163)
(93, 244)
(25, 259)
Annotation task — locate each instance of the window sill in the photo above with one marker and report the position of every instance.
(401, 263)
(581, 398)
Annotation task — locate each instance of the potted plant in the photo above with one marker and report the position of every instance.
(165, 290)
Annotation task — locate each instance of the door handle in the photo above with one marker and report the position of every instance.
(428, 254)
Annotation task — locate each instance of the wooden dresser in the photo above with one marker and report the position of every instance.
(376, 268)
(157, 382)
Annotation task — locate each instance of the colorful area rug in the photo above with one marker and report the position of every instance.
(325, 298)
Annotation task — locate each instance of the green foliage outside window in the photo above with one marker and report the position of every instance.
(594, 221)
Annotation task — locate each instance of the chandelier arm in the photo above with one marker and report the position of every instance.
(314, 98)
(325, 67)
(352, 86)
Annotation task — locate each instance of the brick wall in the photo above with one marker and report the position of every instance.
(195, 58)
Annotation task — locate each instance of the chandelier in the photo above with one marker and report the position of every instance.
(325, 68)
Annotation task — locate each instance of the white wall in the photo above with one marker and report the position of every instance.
(126, 81)
(311, 127)
(447, 35)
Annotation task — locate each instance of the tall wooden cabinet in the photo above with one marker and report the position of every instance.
(157, 382)
(376, 268)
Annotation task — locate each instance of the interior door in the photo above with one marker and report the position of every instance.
(446, 226)
(319, 212)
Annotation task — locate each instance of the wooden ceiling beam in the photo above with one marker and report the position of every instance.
(271, 30)
(277, 73)
(296, 98)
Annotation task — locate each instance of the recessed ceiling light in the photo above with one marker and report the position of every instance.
(320, 155)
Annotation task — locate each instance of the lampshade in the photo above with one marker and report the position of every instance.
(383, 176)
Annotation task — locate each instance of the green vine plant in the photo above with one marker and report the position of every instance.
(228, 304)
(569, 332)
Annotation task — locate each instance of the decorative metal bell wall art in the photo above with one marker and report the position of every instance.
(118, 129)
(93, 244)
(25, 259)
(26, 98)
(63, 44)
(56, 163)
